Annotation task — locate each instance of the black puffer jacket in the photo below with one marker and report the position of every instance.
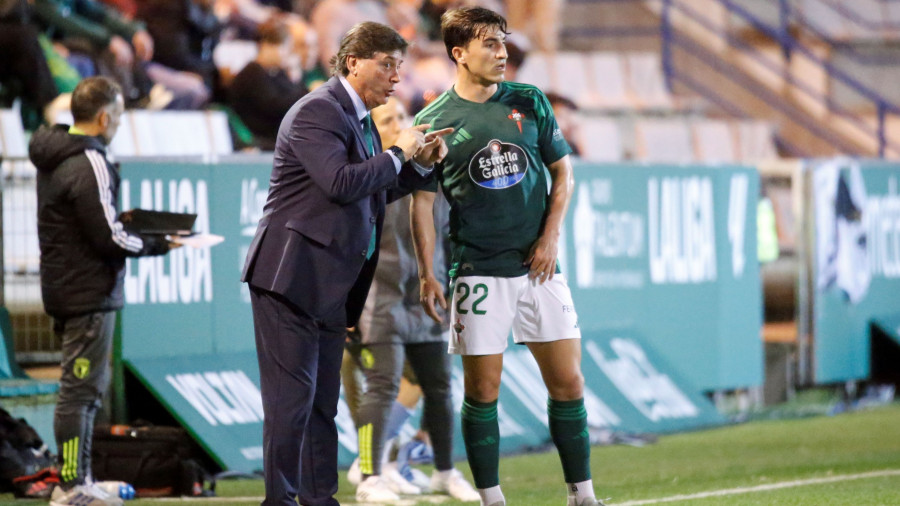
(83, 245)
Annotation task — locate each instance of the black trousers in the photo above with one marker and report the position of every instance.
(299, 371)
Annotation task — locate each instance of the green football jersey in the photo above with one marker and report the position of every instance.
(494, 176)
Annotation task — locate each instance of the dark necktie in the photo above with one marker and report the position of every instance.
(370, 145)
(367, 133)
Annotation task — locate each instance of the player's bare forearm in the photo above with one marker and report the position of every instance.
(421, 218)
(542, 258)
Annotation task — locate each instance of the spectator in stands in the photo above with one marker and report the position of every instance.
(186, 32)
(83, 250)
(262, 92)
(566, 112)
(23, 68)
(306, 49)
(114, 45)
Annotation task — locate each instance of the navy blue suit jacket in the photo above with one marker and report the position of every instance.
(325, 196)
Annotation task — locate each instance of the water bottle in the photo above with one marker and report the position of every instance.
(118, 489)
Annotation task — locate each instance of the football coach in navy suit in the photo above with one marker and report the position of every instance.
(311, 262)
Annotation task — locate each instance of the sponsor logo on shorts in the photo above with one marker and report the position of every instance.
(458, 327)
(498, 165)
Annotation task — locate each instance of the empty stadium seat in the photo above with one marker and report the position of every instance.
(714, 141)
(14, 145)
(756, 141)
(536, 71)
(609, 86)
(221, 141)
(823, 18)
(646, 81)
(123, 143)
(21, 252)
(603, 140)
(666, 140)
(142, 127)
(569, 76)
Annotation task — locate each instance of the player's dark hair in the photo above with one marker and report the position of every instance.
(463, 25)
(91, 95)
(363, 41)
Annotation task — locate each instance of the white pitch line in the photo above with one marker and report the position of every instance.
(434, 499)
(764, 488)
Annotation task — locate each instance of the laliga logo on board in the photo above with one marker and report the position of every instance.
(498, 165)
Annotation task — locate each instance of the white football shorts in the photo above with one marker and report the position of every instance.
(483, 309)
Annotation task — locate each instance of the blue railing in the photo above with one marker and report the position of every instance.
(789, 45)
(854, 16)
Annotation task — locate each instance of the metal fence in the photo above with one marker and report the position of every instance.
(21, 291)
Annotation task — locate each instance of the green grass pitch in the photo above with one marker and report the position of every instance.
(852, 458)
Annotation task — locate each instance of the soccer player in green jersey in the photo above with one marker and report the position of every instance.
(504, 229)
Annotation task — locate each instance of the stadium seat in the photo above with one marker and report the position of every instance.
(609, 89)
(823, 18)
(536, 71)
(220, 133)
(603, 140)
(569, 68)
(142, 128)
(14, 145)
(714, 141)
(756, 141)
(664, 140)
(646, 81)
(123, 144)
(21, 253)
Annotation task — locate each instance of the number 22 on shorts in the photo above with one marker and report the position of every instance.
(478, 292)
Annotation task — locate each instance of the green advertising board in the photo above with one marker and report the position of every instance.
(661, 262)
(856, 261)
(670, 253)
(628, 389)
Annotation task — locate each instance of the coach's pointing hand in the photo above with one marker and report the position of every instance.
(411, 140)
(434, 149)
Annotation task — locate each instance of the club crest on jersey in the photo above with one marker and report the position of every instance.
(498, 165)
(517, 117)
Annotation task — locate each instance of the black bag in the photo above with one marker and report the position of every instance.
(25, 462)
(156, 461)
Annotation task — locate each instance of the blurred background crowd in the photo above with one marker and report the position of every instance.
(250, 58)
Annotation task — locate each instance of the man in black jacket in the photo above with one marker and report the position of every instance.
(83, 251)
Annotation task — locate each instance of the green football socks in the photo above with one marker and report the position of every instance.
(481, 434)
(568, 428)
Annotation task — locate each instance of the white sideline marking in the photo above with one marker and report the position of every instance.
(764, 488)
(434, 499)
(437, 499)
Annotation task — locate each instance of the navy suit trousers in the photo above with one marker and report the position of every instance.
(299, 370)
